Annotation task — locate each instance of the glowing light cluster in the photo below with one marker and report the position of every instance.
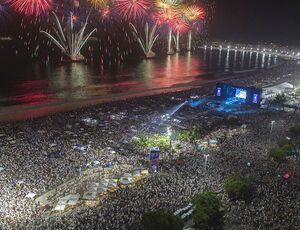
(172, 17)
(132, 9)
(99, 4)
(166, 16)
(105, 12)
(194, 12)
(30, 7)
(180, 25)
(167, 3)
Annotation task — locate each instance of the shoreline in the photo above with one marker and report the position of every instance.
(27, 112)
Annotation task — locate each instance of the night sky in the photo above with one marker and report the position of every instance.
(257, 20)
(242, 21)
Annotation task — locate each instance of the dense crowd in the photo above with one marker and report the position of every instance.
(25, 147)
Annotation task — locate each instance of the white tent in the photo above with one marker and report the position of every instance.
(60, 207)
(73, 199)
(127, 175)
(102, 188)
(30, 195)
(90, 122)
(136, 173)
(145, 172)
(96, 163)
(62, 203)
(104, 182)
(213, 141)
(272, 91)
(89, 195)
(94, 187)
(126, 180)
(112, 184)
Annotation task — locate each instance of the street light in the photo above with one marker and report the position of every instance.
(169, 133)
(206, 158)
(272, 125)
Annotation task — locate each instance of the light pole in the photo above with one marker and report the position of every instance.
(272, 125)
(206, 158)
(170, 134)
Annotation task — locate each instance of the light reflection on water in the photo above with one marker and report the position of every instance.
(38, 83)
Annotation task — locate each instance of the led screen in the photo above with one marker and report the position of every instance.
(219, 92)
(255, 98)
(240, 93)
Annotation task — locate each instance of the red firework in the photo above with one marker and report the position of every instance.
(74, 18)
(132, 9)
(166, 16)
(105, 12)
(180, 25)
(31, 7)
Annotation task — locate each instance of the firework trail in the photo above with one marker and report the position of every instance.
(69, 42)
(148, 41)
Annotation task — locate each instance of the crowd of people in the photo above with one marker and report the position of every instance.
(25, 147)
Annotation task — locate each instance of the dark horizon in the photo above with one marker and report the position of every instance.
(256, 21)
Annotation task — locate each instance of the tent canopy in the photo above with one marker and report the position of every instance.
(279, 88)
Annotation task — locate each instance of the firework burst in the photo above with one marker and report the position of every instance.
(30, 7)
(99, 4)
(132, 9)
(166, 16)
(167, 3)
(193, 13)
(180, 25)
(105, 12)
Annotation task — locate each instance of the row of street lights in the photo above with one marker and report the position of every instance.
(276, 52)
